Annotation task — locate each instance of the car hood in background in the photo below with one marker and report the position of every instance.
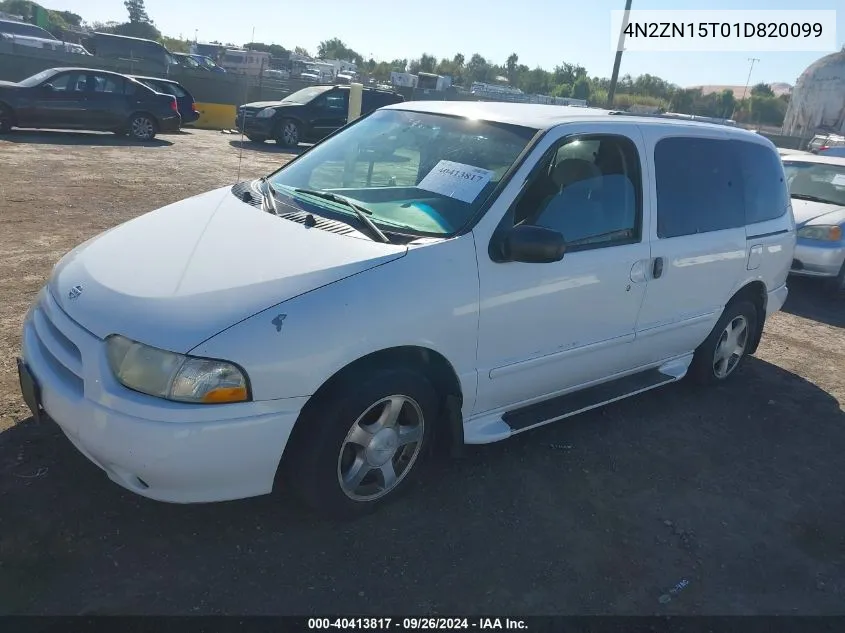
(809, 212)
(270, 104)
(175, 277)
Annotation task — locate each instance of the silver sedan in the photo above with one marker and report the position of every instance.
(817, 188)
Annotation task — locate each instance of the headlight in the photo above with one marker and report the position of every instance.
(821, 232)
(266, 113)
(156, 372)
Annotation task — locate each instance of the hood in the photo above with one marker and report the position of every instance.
(808, 212)
(177, 276)
(270, 104)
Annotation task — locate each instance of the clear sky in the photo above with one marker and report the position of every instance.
(541, 32)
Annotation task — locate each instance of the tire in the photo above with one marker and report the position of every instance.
(334, 440)
(142, 127)
(707, 368)
(288, 133)
(6, 119)
(257, 139)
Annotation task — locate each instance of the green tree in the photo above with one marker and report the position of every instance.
(581, 88)
(511, 66)
(137, 12)
(336, 49)
(477, 68)
(299, 50)
(762, 90)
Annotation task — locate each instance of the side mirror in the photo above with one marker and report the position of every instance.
(530, 245)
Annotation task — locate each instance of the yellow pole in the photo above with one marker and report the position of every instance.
(356, 92)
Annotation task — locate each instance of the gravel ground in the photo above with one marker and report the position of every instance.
(678, 501)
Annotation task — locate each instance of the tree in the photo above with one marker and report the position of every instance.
(510, 64)
(477, 68)
(762, 90)
(299, 50)
(336, 49)
(425, 64)
(581, 88)
(137, 12)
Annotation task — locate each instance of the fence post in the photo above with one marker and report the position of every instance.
(356, 92)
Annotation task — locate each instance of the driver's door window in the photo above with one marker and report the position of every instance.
(588, 190)
(58, 82)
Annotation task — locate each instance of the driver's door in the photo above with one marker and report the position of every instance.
(548, 327)
(56, 102)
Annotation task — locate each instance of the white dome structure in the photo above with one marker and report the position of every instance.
(818, 99)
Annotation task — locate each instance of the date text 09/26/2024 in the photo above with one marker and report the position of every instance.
(416, 624)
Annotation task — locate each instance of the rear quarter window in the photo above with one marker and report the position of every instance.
(699, 186)
(766, 193)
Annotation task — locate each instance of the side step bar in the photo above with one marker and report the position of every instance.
(590, 398)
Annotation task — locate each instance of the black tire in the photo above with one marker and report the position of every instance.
(142, 127)
(704, 369)
(318, 454)
(257, 139)
(6, 119)
(288, 133)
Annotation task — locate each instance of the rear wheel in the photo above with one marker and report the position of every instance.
(142, 127)
(721, 354)
(361, 443)
(288, 133)
(6, 120)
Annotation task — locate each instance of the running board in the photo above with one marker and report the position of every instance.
(571, 403)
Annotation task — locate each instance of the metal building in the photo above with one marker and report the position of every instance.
(818, 99)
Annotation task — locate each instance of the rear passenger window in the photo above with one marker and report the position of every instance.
(699, 186)
(765, 188)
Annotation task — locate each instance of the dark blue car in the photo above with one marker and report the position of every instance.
(184, 100)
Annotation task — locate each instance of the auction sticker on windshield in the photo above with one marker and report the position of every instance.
(456, 180)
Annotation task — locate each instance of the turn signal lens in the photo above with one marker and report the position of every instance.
(225, 394)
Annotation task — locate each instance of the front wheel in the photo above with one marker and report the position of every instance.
(288, 134)
(361, 444)
(721, 354)
(142, 127)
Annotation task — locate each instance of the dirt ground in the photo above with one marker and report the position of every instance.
(736, 491)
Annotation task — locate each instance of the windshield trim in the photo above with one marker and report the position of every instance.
(483, 208)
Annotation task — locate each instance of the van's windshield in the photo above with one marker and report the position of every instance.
(416, 173)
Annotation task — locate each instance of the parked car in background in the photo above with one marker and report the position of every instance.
(14, 27)
(821, 142)
(837, 150)
(130, 49)
(817, 187)
(307, 115)
(207, 63)
(87, 99)
(437, 273)
(44, 43)
(186, 61)
(184, 99)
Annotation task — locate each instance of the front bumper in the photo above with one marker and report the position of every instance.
(814, 258)
(253, 126)
(158, 449)
(169, 124)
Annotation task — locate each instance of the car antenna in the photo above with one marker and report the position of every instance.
(243, 117)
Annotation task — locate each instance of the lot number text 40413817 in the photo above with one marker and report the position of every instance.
(416, 624)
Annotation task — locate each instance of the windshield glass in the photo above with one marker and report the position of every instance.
(417, 173)
(305, 95)
(36, 79)
(820, 181)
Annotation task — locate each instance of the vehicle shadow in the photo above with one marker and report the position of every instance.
(810, 299)
(56, 137)
(535, 524)
(268, 147)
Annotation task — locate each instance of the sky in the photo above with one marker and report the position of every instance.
(542, 32)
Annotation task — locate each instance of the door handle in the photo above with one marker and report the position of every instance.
(657, 268)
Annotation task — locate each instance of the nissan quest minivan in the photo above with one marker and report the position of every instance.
(434, 274)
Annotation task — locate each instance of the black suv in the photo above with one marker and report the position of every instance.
(307, 115)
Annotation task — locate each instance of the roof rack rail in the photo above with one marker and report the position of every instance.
(678, 116)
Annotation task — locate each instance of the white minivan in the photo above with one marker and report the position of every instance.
(434, 274)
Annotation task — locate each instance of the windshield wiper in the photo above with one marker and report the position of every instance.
(361, 212)
(809, 198)
(268, 199)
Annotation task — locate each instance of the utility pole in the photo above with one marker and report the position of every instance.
(611, 91)
(753, 60)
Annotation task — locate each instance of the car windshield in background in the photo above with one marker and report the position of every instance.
(306, 94)
(417, 173)
(36, 79)
(821, 182)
